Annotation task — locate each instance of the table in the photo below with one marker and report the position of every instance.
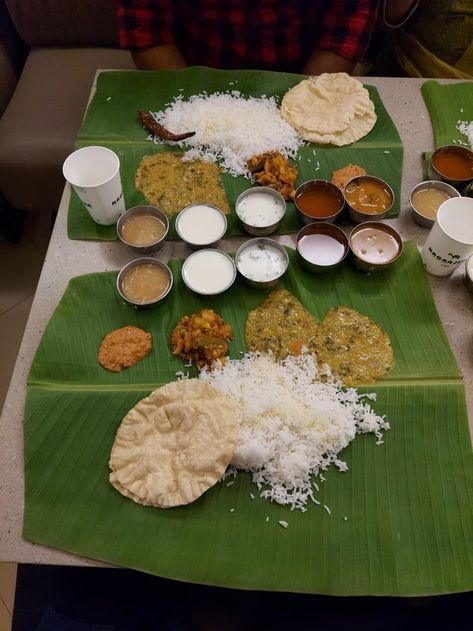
(65, 259)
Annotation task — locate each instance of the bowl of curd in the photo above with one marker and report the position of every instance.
(201, 225)
(208, 272)
(144, 282)
(261, 262)
(426, 198)
(321, 246)
(260, 210)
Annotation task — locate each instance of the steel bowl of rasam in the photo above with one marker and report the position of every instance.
(426, 198)
(375, 246)
(208, 272)
(318, 200)
(368, 198)
(143, 228)
(321, 246)
(452, 164)
(201, 225)
(260, 210)
(261, 262)
(144, 282)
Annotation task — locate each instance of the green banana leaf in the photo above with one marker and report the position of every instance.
(448, 104)
(401, 519)
(111, 121)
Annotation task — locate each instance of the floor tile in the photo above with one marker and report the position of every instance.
(7, 584)
(20, 267)
(37, 229)
(12, 325)
(5, 617)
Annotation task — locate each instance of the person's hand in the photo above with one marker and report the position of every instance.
(327, 61)
(159, 58)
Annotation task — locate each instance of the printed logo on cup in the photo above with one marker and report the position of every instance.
(450, 240)
(453, 259)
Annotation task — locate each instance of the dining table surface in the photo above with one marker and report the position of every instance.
(68, 258)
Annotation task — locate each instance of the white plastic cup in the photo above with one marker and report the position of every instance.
(94, 172)
(450, 241)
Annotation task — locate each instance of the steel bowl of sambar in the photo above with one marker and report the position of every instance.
(452, 164)
(368, 198)
(318, 200)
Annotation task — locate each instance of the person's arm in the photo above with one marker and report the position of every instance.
(346, 33)
(146, 28)
(327, 61)
(163, 57)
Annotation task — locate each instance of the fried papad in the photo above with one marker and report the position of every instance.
(174, 444)
(124, 347)
(333, 108)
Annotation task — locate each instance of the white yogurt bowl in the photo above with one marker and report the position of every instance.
(201, 225)
(209, 272)
(261, 262)
(260, 210)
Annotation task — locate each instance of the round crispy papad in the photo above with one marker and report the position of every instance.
(333, 108)
(174, 444)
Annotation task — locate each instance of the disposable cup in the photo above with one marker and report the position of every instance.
(450, 240)
(94, 173)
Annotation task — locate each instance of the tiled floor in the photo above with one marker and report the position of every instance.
(20, 267)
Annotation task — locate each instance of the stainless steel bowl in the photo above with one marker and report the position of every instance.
(319, 184)
(208, 272)
(143, 210)
(435, 174)
(145, 260)
(418, 217)
(211, 242)
(358, 216)
(367, 266)
(260, 231)
(326, 229)
(262, 243)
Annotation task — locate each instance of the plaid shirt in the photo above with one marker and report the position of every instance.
(265, 34)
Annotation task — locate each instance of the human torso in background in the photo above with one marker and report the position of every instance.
(269, 34)
(437, 41)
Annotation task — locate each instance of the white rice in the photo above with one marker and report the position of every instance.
(293, 426)
(230, 128)
(466, 128)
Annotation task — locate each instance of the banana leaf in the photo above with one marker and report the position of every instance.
(111, 121)
(401, 519)
(448, 105)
